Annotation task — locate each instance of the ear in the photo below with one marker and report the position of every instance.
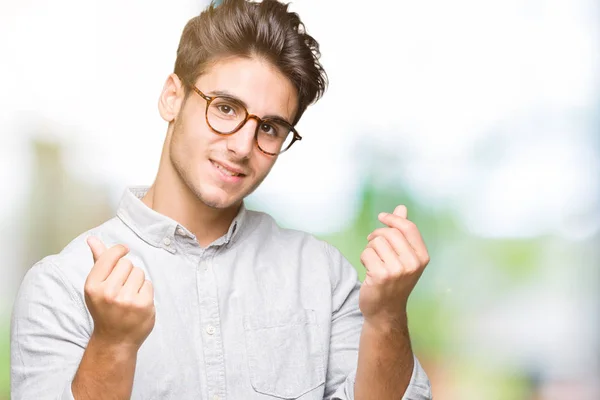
(171, 98)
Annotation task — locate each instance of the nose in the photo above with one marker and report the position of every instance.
(242, 142)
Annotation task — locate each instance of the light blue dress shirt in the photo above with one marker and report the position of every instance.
(262, 313)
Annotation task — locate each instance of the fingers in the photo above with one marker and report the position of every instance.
(134, 282)
(147, 291)
(409, 230)
(387, 253)
(383, 249)
(381, 261)
(370, 259)
(396, 239)
(104, 260)
(403, 252)
(96, 246)
(119, 274)
(401, 211)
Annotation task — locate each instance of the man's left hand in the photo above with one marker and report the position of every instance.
(395, 258)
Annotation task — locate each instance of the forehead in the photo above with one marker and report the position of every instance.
(256, 82)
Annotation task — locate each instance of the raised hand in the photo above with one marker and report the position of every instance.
(395, 258)
(119, 298)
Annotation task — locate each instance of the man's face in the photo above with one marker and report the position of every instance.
(202, 157)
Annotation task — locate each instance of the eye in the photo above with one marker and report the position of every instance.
(226, 109)
(268, 129)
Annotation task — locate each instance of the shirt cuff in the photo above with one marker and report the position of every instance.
(419, 387)
(67, 393)
(346, 390)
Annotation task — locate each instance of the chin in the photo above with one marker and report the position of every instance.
(216, 198)
(210, 195)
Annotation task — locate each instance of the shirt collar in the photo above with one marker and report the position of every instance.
(159, 230)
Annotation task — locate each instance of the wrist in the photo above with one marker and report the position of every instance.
(117, 350)
(106, 369)
(388, 325)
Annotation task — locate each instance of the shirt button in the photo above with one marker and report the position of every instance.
(180, 231)
(210, 330)
(167, 241)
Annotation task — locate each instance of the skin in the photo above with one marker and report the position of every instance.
(395, 258)
(121, 302)
(186, 188)
(190, 189)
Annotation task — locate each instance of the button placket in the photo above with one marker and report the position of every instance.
(209, 318)
(204, 266)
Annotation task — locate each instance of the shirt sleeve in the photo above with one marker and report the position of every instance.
(50, 329)
(346, 327)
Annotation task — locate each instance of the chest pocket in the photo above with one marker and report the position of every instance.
(285, 356)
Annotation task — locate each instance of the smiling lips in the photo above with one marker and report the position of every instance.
(228, 170)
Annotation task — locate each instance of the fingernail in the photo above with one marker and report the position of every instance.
(383, 215)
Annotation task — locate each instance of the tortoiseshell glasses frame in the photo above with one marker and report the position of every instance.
(287, 128)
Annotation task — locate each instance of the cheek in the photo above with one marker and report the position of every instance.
(263, 165)
(193, 140)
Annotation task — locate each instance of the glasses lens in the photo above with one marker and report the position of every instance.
(225, 115)
(274, 136)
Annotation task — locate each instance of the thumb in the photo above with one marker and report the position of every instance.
(401, 211)
(96, 246)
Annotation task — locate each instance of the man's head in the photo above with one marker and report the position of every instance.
(254, 58)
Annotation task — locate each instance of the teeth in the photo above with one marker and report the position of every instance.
(226, 171)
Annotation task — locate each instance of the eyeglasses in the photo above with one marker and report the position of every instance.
(226, 115)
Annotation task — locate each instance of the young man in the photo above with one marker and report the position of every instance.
(185, 293)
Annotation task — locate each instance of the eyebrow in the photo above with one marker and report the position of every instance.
(226, 94)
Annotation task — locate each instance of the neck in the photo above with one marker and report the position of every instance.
(170, 196)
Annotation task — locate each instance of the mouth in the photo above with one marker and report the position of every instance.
(227, 171)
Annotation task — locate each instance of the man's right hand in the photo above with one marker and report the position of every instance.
(119, 298)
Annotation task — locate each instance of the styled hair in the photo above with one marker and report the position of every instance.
(249, 29)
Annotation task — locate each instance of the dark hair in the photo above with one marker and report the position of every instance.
(247, 29)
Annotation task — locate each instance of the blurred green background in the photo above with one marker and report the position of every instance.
(482, 117)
